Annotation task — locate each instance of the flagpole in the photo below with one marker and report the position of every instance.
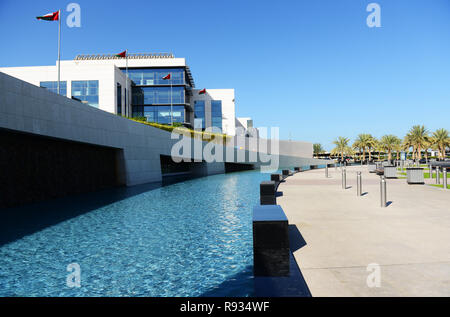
(171, 107)
(59, 49)
(128, 95)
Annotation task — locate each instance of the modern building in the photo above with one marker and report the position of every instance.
(244, 126)
(101, 81)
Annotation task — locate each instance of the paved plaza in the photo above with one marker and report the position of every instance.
(343, 239)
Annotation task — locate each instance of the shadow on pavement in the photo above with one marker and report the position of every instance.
(296, 240)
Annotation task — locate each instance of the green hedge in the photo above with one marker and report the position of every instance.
(205, 136)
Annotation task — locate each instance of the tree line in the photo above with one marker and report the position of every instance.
(417, 140)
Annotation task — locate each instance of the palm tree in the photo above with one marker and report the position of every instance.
(408, 143)
(371, 144)
(419, 138)
(341, 146)
(426, 145)
(358, 146)
(388, 143)
(317, 149)
(378, 147)
(362, 142)
(398, 148)
(441, 140)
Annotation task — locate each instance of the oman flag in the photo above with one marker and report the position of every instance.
(166, 77)
(203, 91)
(50, 16)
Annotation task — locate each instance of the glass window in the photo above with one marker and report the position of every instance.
(119, 99)
(216, 113)
(138, 111)
(178, 114)
(158, 95)
(163, 114)
(86, 91)
(160, 114)
(199, 114)
(154, 76)
(53, 86)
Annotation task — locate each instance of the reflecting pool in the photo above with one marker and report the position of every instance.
(192, 238)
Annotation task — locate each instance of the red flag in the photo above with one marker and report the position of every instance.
(123, 54)
(166, 77)
(203, 91)
(50, 16)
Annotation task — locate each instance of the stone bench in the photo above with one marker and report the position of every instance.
(276, 177)
(286, 173)
(267, 191)
(270, 241)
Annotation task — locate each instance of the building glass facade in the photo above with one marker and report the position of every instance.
(119, 99)
(87, 91)
(160, 114)
(154, 76)
(199, 114)
(216, 114)
(158, 95)
(152, 95)
(53, 86)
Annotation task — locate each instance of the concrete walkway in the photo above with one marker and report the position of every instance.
(340, 234)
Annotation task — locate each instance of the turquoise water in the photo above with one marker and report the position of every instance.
(192, 238)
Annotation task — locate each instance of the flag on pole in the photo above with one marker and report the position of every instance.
(54, 16)
(203, 91)
(49, 16)
(167, 77)
(123, 54)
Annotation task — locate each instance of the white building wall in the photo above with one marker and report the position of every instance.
(228, 107)
(107, 75)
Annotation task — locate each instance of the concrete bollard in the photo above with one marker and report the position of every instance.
(444, 177)
(344, 178)
(358, 184)
(383, 191)
(438, 176)
(431, 171)
(326, 171)
(275, 177)
(267, 191)
(271, 255)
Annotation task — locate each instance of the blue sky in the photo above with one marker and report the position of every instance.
(313, 67)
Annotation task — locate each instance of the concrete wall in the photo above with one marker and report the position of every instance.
(36, 168)
(27, 108)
